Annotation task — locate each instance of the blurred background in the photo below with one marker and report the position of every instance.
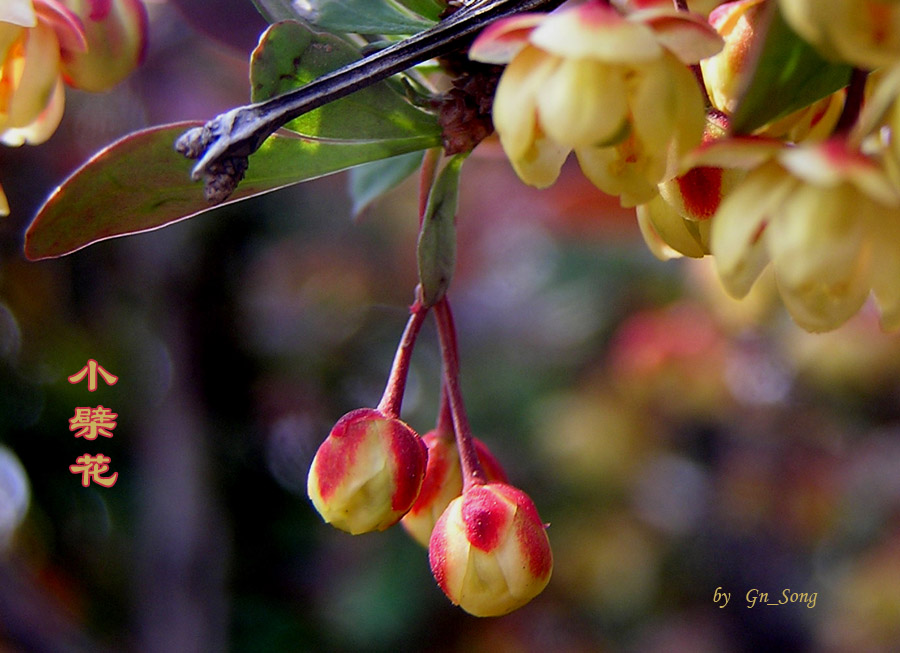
(678, 442)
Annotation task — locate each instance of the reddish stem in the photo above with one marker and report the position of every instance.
(853, 102)
(444, 425)
(472, 472)
(392, 398)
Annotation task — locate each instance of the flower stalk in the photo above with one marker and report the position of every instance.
(472, 471)
(392, 398)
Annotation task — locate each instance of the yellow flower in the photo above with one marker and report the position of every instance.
(489, 551)
(613, 88)
(31, 87)
(828, 220)
(88, 44)
(865, 33)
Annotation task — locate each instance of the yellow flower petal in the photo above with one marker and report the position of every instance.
(43, 126)
(597, 31)
(540, 165)
(822, 307)
(736, 233)
(682, 236)
(35, 77)
(515, 102)
(817, 237)
(583, 103)
(623, 170)
(18, 12)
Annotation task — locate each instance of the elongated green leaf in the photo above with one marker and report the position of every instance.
(355, 16)
(788, 76)
(140, 183)
(290, 55)
(436, 249)
(372, 180)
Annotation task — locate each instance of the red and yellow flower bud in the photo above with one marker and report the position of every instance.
(443, 483)
(489, 551)
(368, 472)
(116, 32)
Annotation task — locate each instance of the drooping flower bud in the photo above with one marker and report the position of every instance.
(489, 551)
(116, 32)
(443, 482)
(725, 74)
(368, 472)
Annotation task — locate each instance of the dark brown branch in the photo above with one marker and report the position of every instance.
(223, 145)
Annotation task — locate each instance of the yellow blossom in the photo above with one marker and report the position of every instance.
(828, 220)
(614, 88)
(865, 33)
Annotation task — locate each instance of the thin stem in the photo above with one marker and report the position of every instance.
(853, 102)
(444, 426)
(392, 399)
(472, 472)
(682, 5)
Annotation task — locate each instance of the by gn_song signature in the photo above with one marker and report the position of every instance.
(755, 597)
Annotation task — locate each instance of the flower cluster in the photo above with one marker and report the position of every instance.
(45, 44)
(487, 545)
(815, 192)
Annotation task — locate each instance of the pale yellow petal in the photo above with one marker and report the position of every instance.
(583, 103)
(818, 236)
(38, 77)
(654, 241)
(596, 31)
(539, 166)
(515, 101)
(681, 235)
(18, 12)
(822, 307)
(620, 170)
(737, 228)
(43, 126)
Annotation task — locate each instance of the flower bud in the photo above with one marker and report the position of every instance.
(116, 32)
(368, 472)
(489, 551)
(725, 74)
(443, 482)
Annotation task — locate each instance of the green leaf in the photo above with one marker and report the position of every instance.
(430, 9)
(372, 180)
(140, 183)
(436, 249)
(354, 16)
(290, 55)
(788, 76)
